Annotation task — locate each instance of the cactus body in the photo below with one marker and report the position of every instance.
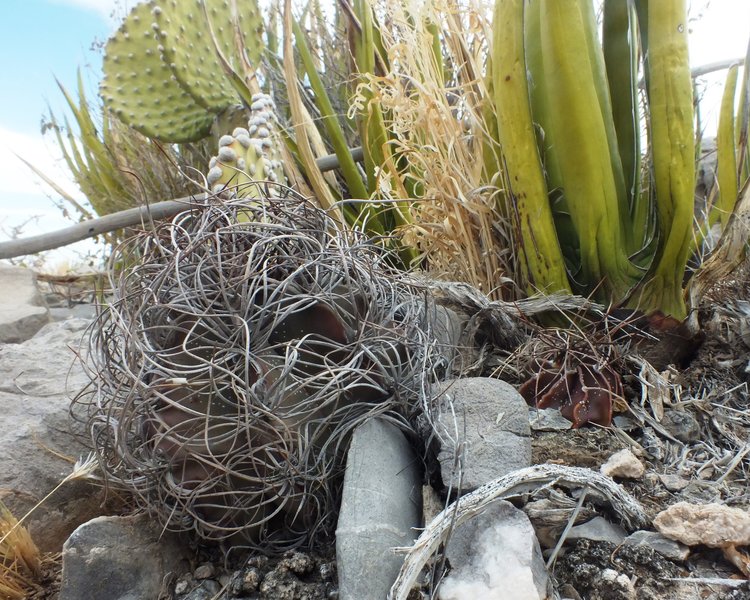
(250, 154)
(162, 73)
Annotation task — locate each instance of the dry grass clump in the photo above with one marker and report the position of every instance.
(438, 107)
(106, 159)
(20, 561)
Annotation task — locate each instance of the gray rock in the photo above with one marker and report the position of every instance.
(380, 509)
(77, 311)
(22, 308)
(548, 419)
(495, 555)
(118, 558)
(204, 571)
(598, 529)
(674, 483)
(659, 543)
(207, 590)
(37, 379)
(683, 425)
(488, 421)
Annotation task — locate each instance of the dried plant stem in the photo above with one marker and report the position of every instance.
(630, 511)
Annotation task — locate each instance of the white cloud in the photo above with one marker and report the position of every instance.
(26, 202)
(17, 178)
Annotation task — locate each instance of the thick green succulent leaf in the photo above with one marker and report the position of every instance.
(670, 97)
(185, 36)
(140, 89)
(579, 123)
(527, 190)
(620, 47)
(726, 175)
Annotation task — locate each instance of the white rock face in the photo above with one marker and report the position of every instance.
(714, 525)
(22, 309)
(37, 379)
(623, 464)
(495, 556)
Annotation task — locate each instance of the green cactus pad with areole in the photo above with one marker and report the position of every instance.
(191, 32)
(140, 88)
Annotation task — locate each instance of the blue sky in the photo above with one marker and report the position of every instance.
(41, 39)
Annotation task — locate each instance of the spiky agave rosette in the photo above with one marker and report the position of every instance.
(237, 356)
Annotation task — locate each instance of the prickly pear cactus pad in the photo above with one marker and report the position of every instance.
(249, 155)
(184, 28)
(237, 357)
(141, 90)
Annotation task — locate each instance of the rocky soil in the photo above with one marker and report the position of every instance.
(684, 440)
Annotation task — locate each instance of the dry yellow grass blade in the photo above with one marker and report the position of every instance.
(302, 121)
(19, 557)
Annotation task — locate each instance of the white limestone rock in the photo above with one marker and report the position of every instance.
(623, 464)
(714, 525)
(22, 309)
(495, 556)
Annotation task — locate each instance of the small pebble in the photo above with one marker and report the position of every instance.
(181, 587)
(251, 579)
(683, 425)
(623, 464)
(297, 563)
(327, 571)
(204, 571)
(674, 483)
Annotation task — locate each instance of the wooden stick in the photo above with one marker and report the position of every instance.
(124, 218)
(93, 227)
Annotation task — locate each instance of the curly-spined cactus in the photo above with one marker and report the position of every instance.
(249, 155)
(239, 353)
(163, 72)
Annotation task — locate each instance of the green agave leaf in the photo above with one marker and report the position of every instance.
(526, 188)
(670, 97)
(726, 172)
